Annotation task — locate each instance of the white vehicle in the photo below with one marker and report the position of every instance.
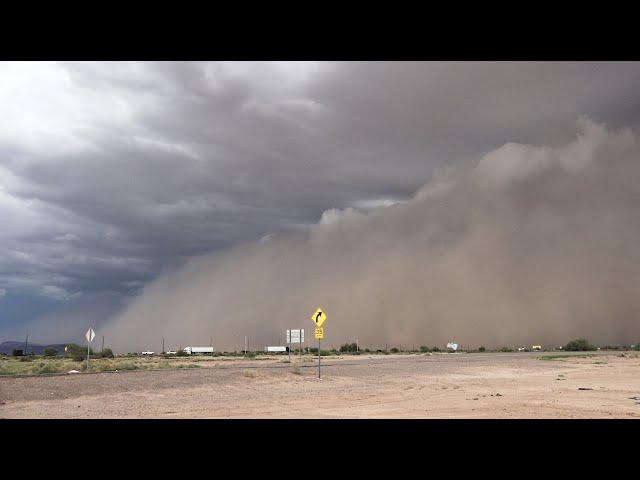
(148, 353)
(276, 349)
(192, 350)
(171, 352)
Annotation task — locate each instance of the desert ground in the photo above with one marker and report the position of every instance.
(419, 386)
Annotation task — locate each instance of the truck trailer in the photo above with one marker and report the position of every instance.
(193, 350)
(276, 349)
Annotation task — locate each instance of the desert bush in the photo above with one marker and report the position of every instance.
(107, 353)
(295, 368)
(49, 369)
(482, 349)
(127, 366)
(506, 349)
(425, 349)
(579, 345)
(435, 349)
(50, 352)
(394, 350)
(349, 347)
(77, 352)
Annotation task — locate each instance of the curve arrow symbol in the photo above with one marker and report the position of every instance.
(317, 316)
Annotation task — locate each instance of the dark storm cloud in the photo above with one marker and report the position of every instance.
(112, 171)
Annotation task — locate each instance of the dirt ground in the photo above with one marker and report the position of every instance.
(460, 385)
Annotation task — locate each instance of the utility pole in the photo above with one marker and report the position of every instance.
(357, 346)
(162, 344)
(245, 345)
(102, 351)
(25, 344)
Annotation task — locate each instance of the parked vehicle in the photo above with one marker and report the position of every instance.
(148, 353)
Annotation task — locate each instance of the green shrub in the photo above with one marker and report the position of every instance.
(482, 349)
(127, 366)
(106, 353)
(637, 346)
(425, 349)
(579, 345)
(181, 353)
(394, 350)
(435, 349)
(506, 349)
(349, 347)
(50, 352)
(77, 352)
(49, 369)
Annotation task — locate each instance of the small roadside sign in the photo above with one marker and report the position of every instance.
(90, 335)
(320, 332)
(318, 317)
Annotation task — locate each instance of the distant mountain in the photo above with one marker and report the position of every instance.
(37, 348)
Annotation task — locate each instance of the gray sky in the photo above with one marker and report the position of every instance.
(114, 172)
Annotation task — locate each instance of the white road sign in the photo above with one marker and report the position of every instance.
(295, 336)
(90, 335)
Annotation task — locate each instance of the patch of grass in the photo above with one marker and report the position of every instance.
(249, 374)
(560, 357)
(49, 369)
(127, 366)
(295, 368)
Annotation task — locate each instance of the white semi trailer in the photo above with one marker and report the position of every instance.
(276, 349)
(192, 350)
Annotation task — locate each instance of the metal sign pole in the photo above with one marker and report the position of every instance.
(318, 358)
(300, 345)
(88, 343)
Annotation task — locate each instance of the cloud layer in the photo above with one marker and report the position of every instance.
(532, 245)
(113, 172)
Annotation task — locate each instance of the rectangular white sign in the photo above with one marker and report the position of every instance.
(295, 336)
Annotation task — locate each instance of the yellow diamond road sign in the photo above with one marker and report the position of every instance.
(318, 317)
(319, 332)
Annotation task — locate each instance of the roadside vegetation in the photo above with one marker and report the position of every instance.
(74, 357)
(580, 345)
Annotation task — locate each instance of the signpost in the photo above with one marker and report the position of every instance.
(90, 336)
(295, 336)
(318, 318)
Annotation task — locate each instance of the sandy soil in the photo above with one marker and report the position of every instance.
(517, 385)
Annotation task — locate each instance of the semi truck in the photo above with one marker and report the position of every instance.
(192, 350)
(276, 349)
